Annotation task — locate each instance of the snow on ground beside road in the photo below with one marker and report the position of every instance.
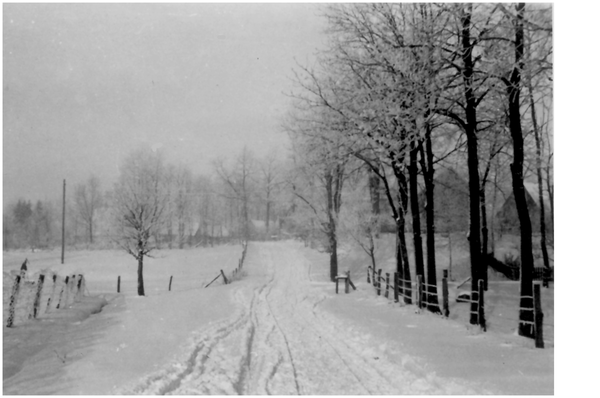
(498, 361)
(280, 342)
(72, 352)
(281, 329)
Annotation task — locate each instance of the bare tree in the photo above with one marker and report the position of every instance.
(239, 181)
(140, 201)
(268, 168)
(88, 199)
(182, 200)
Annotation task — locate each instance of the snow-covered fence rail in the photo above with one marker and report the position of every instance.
(426, 295)
(43, 292)
(401, 287)
(235, 274)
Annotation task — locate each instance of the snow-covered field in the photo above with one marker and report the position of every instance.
(280, 329)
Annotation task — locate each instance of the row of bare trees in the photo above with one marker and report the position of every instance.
(403, 89)
(151, 198)
(155, 204)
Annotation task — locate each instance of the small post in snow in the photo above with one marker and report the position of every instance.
(396, 288)
(13, 301)
(80, 286)
(170, 281)
(66, 288)
(538, 316)
(62, 290)
(379, 282)
(119, 284)
(445, 293)
(369, 274)
(420, 291)
(480, 305)
(387, 284)
(224, 277)
(38, 294)
(52, 294)
(350, 282)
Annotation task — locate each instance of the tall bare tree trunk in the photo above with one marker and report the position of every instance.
(472, 157)
(414, 208)
(403, 267)
(140, 274)
(374, 195)
(331, 187)
(428, 173)
(484, 238)
(513, 91)
(538, 169)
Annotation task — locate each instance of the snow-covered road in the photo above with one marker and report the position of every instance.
(280, 342)
(279, 329)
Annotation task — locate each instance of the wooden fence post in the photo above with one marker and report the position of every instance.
(379, 282)
(48, 306)
(420, 291)
(445, 294)
(538, 316)
(396, 288)
(369, 274)
(38, 294)
(387, 284)
(347, 284)
(407, 292)
(224, 277)
(170, 281)
(119, 284)
(350, 281)
(480, 304)
(79, 287)
(73, 285)
(62, 290)
(13, 301)
(66, 290)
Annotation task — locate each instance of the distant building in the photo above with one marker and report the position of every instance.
(451, 202)
(257, 229)
(508, 218)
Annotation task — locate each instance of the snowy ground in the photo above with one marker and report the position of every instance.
(281, 329)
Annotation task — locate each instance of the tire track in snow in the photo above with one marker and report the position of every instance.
(285, 339)
(254, 331)
(280, 342)
(169, 380)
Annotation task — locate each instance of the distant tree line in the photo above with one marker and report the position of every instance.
(195, 209)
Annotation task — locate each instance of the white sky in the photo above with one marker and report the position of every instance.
(86, 84)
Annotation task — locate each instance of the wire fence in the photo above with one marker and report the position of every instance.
(235, 274)
(32, 297)
(427, 296)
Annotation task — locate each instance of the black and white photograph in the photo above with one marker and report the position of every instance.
(279, 199)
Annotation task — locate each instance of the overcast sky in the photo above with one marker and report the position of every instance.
(85, 84)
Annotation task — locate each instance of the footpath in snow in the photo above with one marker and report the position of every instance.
(282, 330)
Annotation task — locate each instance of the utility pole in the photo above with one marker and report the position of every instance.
(62, 256)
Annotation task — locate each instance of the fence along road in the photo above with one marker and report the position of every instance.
(279, 342)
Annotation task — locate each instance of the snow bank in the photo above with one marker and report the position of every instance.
(74, 353)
